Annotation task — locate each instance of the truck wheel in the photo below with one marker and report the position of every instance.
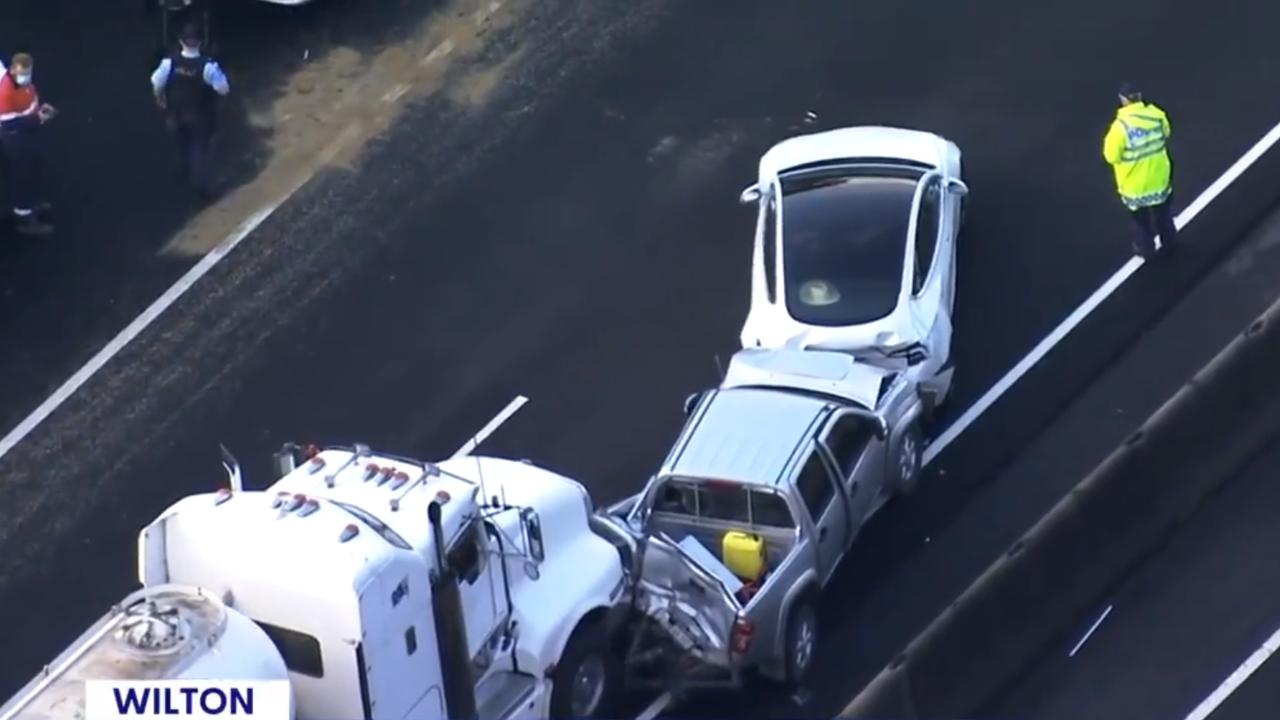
(802, 641)
(906, 471)
(588, 678)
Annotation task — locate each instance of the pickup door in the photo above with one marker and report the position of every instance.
(690, 601)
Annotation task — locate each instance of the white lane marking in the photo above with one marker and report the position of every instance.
(131, 331)
(655, 707)
(1236, 678)
(493, 425)
(162, 303)
(1090, 304)
(1089, 633)
(1036, 355)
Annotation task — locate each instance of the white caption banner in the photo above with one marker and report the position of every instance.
(168, 699)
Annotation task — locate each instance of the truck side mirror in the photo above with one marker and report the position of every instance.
(533, 531)
(232, 467)
(285, 461)
(750, 194)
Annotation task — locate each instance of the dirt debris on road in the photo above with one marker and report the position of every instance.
(343, 98)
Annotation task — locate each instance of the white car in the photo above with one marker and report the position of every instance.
(855, 248)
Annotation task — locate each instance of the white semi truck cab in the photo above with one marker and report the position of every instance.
(380, 587)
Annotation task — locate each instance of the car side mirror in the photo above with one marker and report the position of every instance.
(691, 402)
(750, 194)
(957, 186)
(882, 428)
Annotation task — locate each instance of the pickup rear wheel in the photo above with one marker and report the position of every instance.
(588, 678)
(802, 640)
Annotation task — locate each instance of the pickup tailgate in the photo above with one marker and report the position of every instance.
(691, 602)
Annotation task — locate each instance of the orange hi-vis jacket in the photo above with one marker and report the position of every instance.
(18, 104)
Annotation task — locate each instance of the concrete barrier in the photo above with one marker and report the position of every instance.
(1109, 523)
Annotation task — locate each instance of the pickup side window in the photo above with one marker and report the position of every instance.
(848, 438)
(814, 484)
(770, 510)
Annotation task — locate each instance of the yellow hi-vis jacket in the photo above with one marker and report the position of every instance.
(1135, 146)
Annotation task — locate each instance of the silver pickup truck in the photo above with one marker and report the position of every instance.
(795, 450)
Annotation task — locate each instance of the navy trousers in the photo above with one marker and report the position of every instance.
(195, 151)
(23, 167)
(1152, 221)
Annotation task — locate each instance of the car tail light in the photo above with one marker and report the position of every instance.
(740, 638)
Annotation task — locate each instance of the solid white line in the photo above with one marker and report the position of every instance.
(491, 427)
(655, 707)
(1036, 355)
(1091, 303)
(1236, 678)
(170, 296)
(1088, 634)
(132, 330)
(1235, 171)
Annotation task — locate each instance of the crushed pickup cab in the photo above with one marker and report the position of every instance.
(767, 485)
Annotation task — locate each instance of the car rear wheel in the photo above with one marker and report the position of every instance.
(907, 468)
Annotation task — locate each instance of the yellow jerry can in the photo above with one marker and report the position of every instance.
(744, 555)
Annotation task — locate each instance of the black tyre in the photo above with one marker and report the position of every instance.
(588, 678)
(906, 469)
(802, 641)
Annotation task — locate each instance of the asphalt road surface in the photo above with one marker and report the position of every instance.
(1191, 613)
(1179, 627)
(567, 230)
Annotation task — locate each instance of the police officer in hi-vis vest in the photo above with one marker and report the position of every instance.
(187, 86)
(1136, 146)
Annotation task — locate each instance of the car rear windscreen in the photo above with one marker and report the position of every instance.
(844, 243)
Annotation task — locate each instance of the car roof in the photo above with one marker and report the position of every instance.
(844, 241)
(746, 435)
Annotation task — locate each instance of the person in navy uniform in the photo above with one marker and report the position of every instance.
(187, 87)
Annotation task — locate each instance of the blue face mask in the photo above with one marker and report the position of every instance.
(22, 78)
